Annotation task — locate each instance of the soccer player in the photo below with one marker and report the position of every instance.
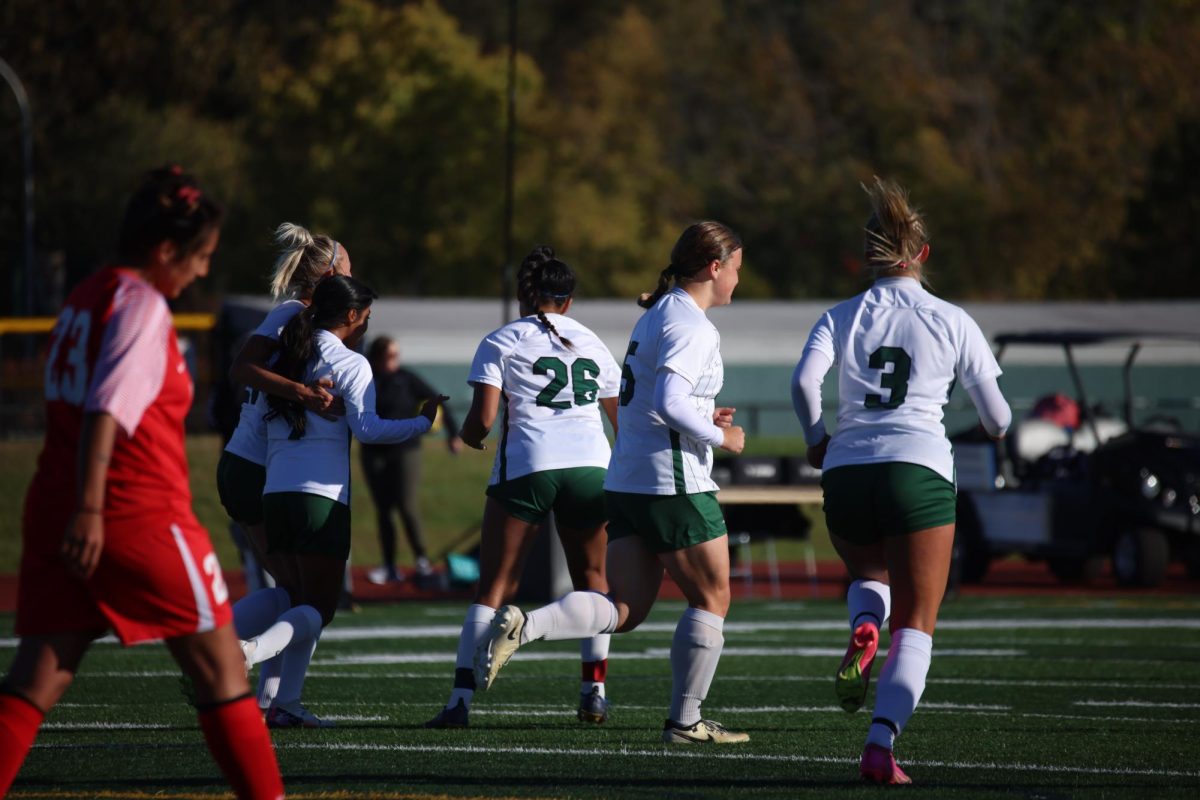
(306, 494)
(303, 260)
(660, 496)
(109, 537)
(555, 376)
(888, 470)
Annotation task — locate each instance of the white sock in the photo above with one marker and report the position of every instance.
(474, 630)
(577, 615)
(900, 684)
(301, 622)
(268, 681)
(869, 601)
(295, 659)
(255, 612)
(593, 653)
(695, 651)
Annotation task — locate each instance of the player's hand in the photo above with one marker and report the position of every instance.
(317, 398)
(723, 417)
(735, 439)
(469, 441)
(816, 453)
(430, 408)
(83, 542)
(454, 445)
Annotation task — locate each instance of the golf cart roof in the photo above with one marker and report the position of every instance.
(1084, 337)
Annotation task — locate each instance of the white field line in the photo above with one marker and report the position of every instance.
(104, 726)
(1154, 720)
(1132, 704)
(439, 676)
(541, 710)
(360, 632)
(708, 755)
(650, 654)
(354, 633)
(932, 708)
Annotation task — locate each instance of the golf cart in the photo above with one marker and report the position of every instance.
(1076, 498)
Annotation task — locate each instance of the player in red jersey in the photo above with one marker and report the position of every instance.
(109, 537)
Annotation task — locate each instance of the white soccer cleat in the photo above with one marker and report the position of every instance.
(504, 638)
(703, 732)
(249, 646)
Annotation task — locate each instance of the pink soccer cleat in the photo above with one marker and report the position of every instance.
(854, 674)
(878, 765)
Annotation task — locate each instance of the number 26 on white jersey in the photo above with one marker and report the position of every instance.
(68, 381)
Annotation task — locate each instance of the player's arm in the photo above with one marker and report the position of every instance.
(994, 413)
(83, 540)
(609, 404)
(356, 385)
(479, 420)
(978, 372)
(672, 402)
(807, 380)
(250, 369)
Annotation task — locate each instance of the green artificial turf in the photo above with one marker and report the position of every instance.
(1045, 697)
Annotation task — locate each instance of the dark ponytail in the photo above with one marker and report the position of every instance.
(333, 298)
(698, 246)
(543, 277)
(168, 206)
(648, 299)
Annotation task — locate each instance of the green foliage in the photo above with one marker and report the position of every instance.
(1047, 143)
(387, 132)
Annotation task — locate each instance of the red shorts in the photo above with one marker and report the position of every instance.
(158, 578)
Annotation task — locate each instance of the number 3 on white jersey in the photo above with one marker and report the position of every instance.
(70, 383)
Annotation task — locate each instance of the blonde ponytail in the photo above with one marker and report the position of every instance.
(303, 260)
(895, 233)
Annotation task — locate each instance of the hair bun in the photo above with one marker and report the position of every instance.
(540, 254)
(290, 236)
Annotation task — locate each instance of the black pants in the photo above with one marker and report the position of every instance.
(393, 476)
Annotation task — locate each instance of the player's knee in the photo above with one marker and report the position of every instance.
(629, 617)
(327, 612)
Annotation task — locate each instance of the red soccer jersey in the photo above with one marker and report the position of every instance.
(113, 350)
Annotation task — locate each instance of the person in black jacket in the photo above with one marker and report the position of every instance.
(393, 471)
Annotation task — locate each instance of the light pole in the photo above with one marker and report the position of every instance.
(27, 157)
(510, 149)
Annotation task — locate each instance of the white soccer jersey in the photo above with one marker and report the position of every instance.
(319, 462)
(649, 457)
(249, 439)
(899, 351)
(550, 392)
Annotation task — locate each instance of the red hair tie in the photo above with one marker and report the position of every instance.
(189, 195)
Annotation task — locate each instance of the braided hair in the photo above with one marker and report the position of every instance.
(168, 205)
(543, 277)
(698, 246)
(333, 297)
